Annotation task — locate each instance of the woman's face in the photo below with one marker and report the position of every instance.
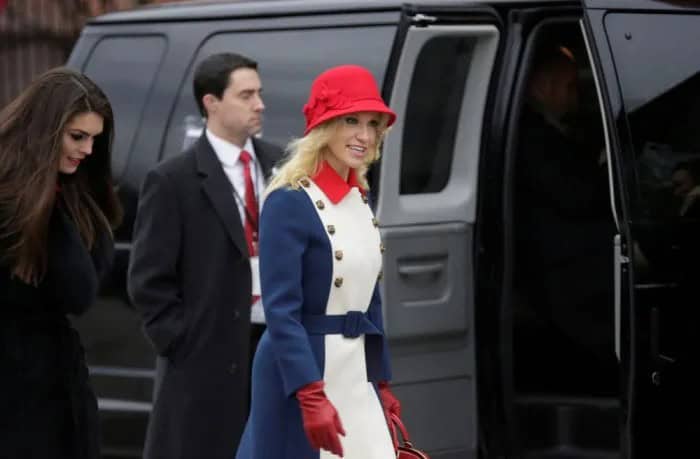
(353, 140)
(78, 139)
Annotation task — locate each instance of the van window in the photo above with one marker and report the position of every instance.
(285, 72)
(432, 113)
(663, 109)
(137, 60)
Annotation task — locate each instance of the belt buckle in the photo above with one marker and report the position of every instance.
(351, 327)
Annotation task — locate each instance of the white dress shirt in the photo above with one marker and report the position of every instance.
(228, 155)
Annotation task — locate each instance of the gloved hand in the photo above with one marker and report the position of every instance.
(389, 402)
(391, 405)
(321, 421)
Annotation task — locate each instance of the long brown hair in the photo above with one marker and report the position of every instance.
(31, 143)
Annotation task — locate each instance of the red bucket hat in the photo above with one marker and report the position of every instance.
(342, 90)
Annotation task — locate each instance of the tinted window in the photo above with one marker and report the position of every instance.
(125, 69)
(286, 73)
(432, 113)
(656, 58)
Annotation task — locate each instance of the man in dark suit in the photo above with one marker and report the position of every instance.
(192, 269)
(564, 225)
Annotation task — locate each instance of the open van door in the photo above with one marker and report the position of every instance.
(645, 59)
(438, 79)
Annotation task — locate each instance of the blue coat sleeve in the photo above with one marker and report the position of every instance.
(376, 349)
(284, 236)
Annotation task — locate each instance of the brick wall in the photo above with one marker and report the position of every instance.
(36, 35)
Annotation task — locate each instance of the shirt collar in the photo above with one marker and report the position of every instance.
(227, 152)
(333, 185)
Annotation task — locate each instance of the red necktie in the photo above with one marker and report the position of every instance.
(251, 209)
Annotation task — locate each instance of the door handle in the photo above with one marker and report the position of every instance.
(421, 269)
(655, 347)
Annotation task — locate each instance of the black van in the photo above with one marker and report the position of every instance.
(488, 346)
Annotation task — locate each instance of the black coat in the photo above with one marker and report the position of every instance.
(564, 232)
(562, 196)
(189, 276)
(47, 407)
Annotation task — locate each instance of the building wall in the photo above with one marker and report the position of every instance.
(36, 35)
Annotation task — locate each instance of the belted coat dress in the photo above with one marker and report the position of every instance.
(320, 260)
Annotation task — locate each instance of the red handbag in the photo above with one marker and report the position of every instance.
(406, 449)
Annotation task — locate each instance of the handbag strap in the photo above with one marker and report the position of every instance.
(398, 425)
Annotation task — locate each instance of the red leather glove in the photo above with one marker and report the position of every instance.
(321, 421)
(391, 405)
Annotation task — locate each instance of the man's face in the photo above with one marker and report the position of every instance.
(565, 91)
(239, 113)
(556, 89)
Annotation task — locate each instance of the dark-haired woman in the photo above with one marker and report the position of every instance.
(57, 211)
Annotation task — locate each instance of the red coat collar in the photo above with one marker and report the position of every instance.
(333, 185)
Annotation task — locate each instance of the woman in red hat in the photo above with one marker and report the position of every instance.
(321, 370)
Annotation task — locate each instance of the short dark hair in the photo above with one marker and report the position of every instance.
(212, 75)
(551, 57)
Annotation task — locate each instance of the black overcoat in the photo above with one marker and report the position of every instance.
(47, 407)
(189, 276)
(564, 236)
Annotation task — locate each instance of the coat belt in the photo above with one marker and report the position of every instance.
(350, 325)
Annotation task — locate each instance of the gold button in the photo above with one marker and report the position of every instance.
(375, 222)
(338, 255)
(380, 275)
(338, 281)
(331, 229)
(381, 247)
(305, 183)
(320, 204)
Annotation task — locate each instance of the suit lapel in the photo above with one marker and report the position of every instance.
(219, 190)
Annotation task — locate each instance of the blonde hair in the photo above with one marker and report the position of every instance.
(305, 155)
